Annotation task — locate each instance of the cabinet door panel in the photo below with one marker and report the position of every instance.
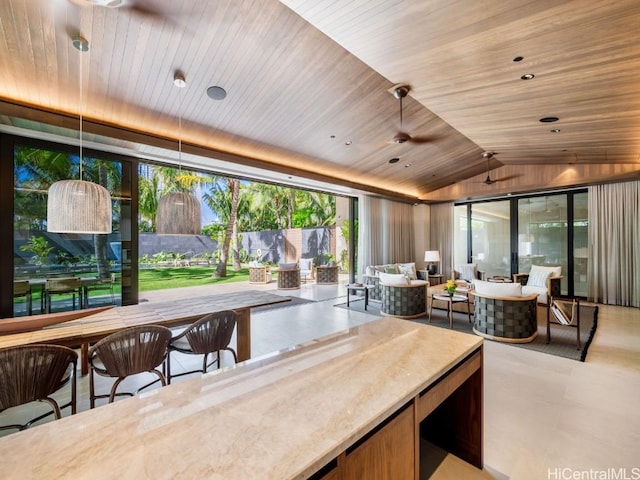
(388, 454)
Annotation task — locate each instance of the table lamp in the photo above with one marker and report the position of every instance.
(432, 257)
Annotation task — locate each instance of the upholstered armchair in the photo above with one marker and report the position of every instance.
(468, 272)
(545, 281)
(401, 297)
(503, 312)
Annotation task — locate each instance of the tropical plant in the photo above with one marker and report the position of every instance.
(40, 248)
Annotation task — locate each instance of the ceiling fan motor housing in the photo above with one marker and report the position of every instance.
(401, 137)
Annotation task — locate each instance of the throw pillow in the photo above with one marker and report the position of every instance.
(393, 279)
(409, 269)
(288, 266)
(498, 289)
(369, 272)
(391, 269)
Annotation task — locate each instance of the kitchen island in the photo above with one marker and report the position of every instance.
(351, 405)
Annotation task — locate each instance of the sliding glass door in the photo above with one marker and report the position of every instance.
(509, 236)
(490, 237)
(543, 233)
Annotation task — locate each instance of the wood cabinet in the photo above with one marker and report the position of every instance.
(447, 414)
(388, 454)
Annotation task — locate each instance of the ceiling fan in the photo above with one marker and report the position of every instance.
(488, 156)
(489, 180)
(400, 91)
(134, 6)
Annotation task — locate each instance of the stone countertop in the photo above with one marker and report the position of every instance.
(279, 416)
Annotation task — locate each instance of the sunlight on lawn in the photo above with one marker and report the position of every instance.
(164, 278)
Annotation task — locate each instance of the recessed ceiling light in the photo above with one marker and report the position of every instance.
(555, 130)
(216, 93)
(549, 119)
(407, 165)
(348, 142)
(527, 76)
(518, 59)
(394, 160)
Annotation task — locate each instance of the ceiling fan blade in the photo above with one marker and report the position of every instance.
(424, 139)
(504, 179)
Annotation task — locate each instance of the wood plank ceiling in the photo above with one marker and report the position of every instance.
(308, 81)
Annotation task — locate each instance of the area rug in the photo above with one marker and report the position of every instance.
(295, 301)
(563, 339)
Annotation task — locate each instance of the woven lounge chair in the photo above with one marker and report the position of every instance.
(30, 373)
(211, 334)
(128, 352)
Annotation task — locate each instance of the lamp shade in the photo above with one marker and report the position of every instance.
(178, 214)
(78, 206)
(432, 256)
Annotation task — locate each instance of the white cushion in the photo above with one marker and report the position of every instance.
(409, 269)
(415, 283)
(541, 291)
(467, 271)
(538, 275)
(288, 266)
(393, 279)
(494, 289)
(369, 271)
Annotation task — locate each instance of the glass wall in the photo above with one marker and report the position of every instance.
(490, 238)
(107, 266)
(58, 271)
(509, 236)
(543, 233)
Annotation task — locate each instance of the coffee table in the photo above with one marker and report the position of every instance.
(359, 288)
(450, 299)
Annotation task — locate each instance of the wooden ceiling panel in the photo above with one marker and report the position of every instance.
(299, 72)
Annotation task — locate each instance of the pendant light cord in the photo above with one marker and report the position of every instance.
(81, 100)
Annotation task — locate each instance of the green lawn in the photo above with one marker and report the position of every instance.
(162, 278)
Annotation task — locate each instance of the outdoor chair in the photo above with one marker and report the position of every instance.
(306, 268)
(103, 284)
(288, 276)
(128, 352)
(34, 372)
(22, 288)
(211, 334)
(63, 286)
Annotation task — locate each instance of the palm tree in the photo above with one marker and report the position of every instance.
(224, 200)
(148, 196)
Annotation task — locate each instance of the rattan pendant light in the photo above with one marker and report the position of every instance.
(178, 212)
(78, 206)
